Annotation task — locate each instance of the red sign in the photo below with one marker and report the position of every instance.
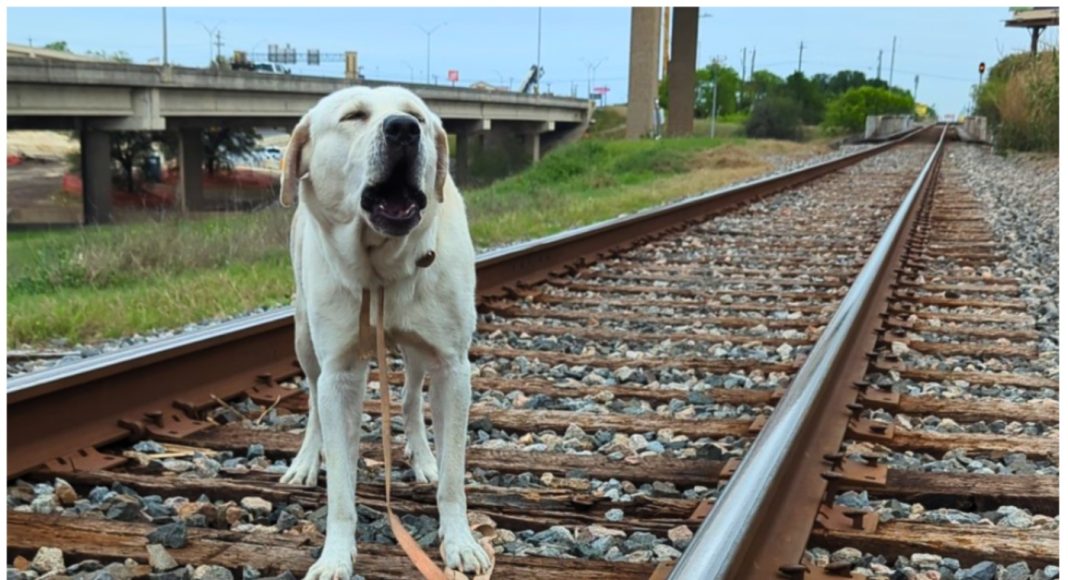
(454, 75)
(600, 90)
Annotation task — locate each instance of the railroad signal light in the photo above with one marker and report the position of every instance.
(982, 67)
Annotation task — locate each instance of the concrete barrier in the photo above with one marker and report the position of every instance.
(881, 126)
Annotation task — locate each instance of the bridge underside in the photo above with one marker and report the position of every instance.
(495, 137)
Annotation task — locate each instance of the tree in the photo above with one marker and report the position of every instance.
(60, 45)
(844, 80)
(807, 95)
(221, 144)
(130, 148)
(726, 99)
(849, 111)
(764, 83)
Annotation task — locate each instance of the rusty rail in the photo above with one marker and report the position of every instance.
(59, 416)
(761, 522)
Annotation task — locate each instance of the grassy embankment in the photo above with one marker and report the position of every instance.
(94, 283)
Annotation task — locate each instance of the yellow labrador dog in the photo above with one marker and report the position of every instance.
(370, 168)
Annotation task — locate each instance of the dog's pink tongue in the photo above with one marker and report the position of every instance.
(396, 208)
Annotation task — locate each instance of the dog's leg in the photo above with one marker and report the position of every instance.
(450, 400)
(305, 467)
(417, 448)
(340, 400)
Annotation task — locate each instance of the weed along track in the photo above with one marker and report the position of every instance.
(622, 374)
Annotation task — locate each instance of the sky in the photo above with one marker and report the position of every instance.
(498, 45)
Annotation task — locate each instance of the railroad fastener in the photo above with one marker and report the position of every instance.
(793, 571)
(857, 515)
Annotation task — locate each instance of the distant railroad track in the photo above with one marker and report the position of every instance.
(622, 371)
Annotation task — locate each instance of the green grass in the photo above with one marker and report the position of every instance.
(93, 283)
(589, 181)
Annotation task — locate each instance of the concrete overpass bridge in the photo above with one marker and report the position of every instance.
(97, 98)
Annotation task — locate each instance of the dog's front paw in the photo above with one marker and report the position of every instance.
(461, 552)
(423, 463)
(304, 470)
(335, 563)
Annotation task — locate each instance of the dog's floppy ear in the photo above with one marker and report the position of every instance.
(293, 162)
(441, 143)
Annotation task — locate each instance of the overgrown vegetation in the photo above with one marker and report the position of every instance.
(1020, 101)
(850, 110)
(771, 106)
(94, 283)
(774, 118)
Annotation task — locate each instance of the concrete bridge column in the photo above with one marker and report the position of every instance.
(465, 131)
(191, 170)
(96, 176)
(682, 72)
(532, 138)
(642, 83)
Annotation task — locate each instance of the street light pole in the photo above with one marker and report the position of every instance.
(211, 41)
(164, 36)
(428, 33)
(591, 76)
(537, 85)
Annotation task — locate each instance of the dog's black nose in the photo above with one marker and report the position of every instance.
(401, 130)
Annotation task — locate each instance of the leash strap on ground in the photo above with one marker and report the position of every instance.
(415, 553)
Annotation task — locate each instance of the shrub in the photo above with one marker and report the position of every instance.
(774, 118)
(849, 111)
(1020, 100)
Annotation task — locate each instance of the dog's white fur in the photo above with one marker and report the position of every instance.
(430, 312)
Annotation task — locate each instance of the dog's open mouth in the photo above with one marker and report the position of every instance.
(393, 206)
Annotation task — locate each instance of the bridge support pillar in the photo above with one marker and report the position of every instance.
(191, 170)
(642, 83)
(96, 176)
(682, 72)
(465, 131)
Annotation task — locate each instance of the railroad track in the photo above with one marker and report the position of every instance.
(621, 372)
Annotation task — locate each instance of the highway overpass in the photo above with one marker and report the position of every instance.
(96, 98)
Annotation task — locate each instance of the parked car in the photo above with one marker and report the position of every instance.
(270, 68)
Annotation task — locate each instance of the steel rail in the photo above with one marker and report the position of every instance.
(762, 519)
(66, 411)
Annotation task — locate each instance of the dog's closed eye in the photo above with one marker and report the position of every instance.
(357, 115)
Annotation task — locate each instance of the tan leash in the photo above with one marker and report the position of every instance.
(365, 345)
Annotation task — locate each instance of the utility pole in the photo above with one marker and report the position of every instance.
(879, 68)
(893, 51)
(428, 33)
(915, 87)
(665, 37)
(752, 64)
(218, 45)
(165, 36)
(800, 52)
(744, 54)
(537, 86)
